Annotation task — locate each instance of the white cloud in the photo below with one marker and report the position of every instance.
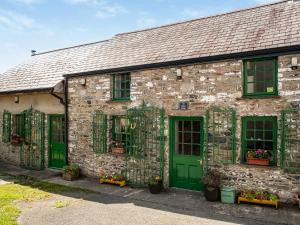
(105, 8)
(27, 2)
(265, 1)
(88, 2)
(106, 11)
(15, 21)
(146, 22)
(191, 13)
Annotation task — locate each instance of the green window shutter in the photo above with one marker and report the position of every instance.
(99, 132)
(260, 132)
(260, 77)
(121, 86)
(290, 140)
(6, 134)
(223, 136)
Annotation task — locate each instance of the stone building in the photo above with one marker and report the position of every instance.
(219, 92)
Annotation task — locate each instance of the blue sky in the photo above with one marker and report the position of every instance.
(51, 24)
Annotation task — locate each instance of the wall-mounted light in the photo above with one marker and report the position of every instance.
(294, 65)
(16, 99)
(82, 82)
(179, 74)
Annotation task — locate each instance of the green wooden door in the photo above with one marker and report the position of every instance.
(57, 156)
(186, 152)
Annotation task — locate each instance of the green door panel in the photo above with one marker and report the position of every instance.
(57, 156)
(186, 152)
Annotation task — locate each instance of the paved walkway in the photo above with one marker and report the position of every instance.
(175, 201)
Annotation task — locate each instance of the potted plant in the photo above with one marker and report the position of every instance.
(212, 181)
(16, 139)
(258, 157)
(298, 199)
(71, 172)
(117, 148)
(155, 185)
(258, 197)
(118, 179)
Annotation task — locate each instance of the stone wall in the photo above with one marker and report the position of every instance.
(204, 86)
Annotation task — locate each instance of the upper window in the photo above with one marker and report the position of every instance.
(260, 77)
(121, 86)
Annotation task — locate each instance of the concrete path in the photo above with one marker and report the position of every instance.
(114, 205)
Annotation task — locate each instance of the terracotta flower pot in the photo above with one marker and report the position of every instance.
(298, 200)
(260, 162)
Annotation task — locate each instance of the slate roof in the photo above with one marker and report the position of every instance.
(262, 27)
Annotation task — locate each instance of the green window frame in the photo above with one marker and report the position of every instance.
(19, 125)
(260, 77)
(120, 134)
(99, 132)
(6, 129)
(260, 132)
(121, 86)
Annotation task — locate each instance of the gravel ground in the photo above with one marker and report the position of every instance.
(96, 209)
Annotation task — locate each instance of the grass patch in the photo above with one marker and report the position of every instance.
(24, 188)
(61, 204)
(9, 194)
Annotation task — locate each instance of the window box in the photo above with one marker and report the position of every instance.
(117, 150)
(257, 201)
(113, 179)
(259, 162)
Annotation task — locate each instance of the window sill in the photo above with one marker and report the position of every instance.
(249, 166)
(118, 100)
(259, 97)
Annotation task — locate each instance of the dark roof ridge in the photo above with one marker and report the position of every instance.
(75, 46)
(206, 17)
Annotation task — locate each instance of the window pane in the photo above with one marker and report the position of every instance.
(259, 125)
(187, 137)
(196, 126)
(196, 150)
(268, 125)
(250, 145)
(250, 134)
(196, 138)
(268, 135)
(251, 88)
(259, 135)
(260, 87)
(250, 124)
(187, 126)
(187, 149)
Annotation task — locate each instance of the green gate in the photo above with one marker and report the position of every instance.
(145, 147)
(220, 136)
(290, 140)
(33, 147)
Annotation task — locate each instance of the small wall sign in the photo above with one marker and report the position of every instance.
(183, 106)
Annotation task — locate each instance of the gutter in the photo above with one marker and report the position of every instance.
(66, 121)
(27, 91)
(241, 55)
(61, 100)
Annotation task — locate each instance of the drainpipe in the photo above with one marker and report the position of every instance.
(66, 120)
(61, 100)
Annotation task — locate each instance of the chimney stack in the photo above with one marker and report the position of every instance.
(33, 52)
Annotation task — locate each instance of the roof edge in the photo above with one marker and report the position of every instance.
(239, 55)
(206, 17)
(26, 91)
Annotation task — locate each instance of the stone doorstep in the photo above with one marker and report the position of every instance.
(177, 198)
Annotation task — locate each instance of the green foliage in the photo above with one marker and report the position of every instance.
(115, 177)
(71, 168)
(155, 180)
(212, 178)
(259, 195)
(61, 204)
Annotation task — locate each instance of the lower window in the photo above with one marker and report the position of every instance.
(119, 131)
(259, 140)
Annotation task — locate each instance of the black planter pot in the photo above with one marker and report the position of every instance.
(212, 194)
(155, 188)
